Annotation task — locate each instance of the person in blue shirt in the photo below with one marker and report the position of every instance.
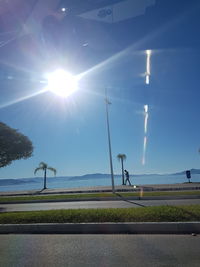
(127, 177)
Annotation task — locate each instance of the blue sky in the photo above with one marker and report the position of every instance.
(70, 134)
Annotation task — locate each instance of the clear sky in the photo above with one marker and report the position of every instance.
(70, 134)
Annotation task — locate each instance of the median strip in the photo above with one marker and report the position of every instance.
(143, 214)
(95, 196)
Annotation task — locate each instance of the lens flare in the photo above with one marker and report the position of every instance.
(146, 107)
(148, 66)
(18, 100)
(146, 116)
(147, 79)
(61, 83)
(144, 151)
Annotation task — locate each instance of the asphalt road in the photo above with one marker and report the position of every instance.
(93, 204)
(99, 250)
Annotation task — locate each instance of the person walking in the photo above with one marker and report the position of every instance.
(127, 177)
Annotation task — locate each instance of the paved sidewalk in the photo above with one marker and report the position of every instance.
(119, 188)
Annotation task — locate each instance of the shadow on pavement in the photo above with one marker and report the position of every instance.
(2, 209)
(38, 192)
(129, 201)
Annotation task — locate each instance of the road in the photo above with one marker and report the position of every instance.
(99, 250)
(93, 204)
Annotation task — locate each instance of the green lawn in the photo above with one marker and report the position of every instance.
(95, 195)
(55, 197)
(146, 214)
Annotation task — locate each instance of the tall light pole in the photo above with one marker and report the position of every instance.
(109, 142)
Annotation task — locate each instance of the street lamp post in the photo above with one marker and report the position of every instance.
(109, 143)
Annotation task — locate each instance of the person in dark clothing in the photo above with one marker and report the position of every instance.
(127, 177)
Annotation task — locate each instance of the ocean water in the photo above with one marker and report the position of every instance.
(90, 181)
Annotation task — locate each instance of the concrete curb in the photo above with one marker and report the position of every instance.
(103, 228)
(104, 199)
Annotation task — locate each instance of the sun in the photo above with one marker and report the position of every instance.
(61, 83)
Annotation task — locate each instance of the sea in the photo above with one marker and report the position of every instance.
(90, 180)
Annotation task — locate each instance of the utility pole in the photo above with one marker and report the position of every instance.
(109, 142)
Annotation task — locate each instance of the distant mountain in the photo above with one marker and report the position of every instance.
(193, 171)
(94, 176)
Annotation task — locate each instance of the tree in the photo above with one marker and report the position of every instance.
(122, 157)
(13, 145)
(44, 167)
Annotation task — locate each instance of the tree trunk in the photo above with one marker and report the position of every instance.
(45, 178)
(123, 182)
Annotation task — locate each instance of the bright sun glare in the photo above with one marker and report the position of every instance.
(61, 83)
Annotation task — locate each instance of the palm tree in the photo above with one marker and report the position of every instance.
(44, 167)
(122, 157)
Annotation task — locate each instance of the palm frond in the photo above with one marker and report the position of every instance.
(52, 169)
(43, 165)
(121, 156)
(38, 169)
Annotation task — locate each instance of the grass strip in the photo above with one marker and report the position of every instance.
(95, 195)
(55, 197)
(147, 214)
(163, 193)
